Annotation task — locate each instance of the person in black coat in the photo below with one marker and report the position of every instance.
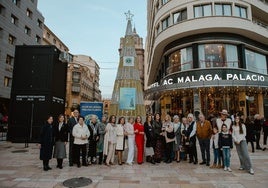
(61, 138)
(71, 123)
(150, 139)
(46, 143)
(93, 128)
(250, 137)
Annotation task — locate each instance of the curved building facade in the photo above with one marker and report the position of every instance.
(207, 55)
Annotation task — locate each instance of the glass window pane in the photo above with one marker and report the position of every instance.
(231, 55)
(176, 17)
(184, 15)
(256, 62)
(218, 10)
(207, 10)
(197, 11)
(237, 11)
(227, 10)
(243, 12)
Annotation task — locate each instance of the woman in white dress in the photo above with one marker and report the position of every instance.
(129, 128)
(110, 140)
(120, 139)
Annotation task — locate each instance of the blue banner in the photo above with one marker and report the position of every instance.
(127, 100)
(87, 109)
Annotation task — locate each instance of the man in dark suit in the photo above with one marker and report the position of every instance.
(71, 123)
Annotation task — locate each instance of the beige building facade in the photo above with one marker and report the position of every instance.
(49, 38)
(203, 56)
(82, 82)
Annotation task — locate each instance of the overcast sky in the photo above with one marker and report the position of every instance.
(94, 28)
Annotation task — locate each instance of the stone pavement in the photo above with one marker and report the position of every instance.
(21, 167)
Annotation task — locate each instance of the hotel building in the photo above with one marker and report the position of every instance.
(203, 56)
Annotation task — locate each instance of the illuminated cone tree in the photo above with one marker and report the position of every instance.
(127, 98)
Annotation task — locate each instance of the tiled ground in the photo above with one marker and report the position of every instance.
(21, 167)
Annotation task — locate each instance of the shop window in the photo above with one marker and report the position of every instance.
(256, 62)
(202, 10)
(240, 11)
(180, 60)
(217, 55)
(223, 10)
(180, 16)
(165, 23)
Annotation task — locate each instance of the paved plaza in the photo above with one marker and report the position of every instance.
(21, 167)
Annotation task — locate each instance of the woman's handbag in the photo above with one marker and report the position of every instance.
(171, 135)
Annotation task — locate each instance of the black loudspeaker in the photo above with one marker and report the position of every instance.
(38, 90)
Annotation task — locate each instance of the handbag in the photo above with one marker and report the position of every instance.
(170, 135)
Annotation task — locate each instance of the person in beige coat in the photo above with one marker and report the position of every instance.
(168, 132)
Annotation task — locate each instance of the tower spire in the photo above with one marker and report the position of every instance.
(129, 17)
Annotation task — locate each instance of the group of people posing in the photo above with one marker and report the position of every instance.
(157, 140)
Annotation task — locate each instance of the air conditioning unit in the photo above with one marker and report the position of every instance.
(65, 57)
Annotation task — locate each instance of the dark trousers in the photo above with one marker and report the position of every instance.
(265, 135)
(59, 162)
(77, 149)
(258, 136)
(71, 152)
(205, 149)
(252, 145)
(169, 151)
(192, 150)
(92, 149)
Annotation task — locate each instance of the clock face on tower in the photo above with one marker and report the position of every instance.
(128, 61)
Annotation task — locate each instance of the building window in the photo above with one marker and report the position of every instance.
(11, 39)
(165, 23)
(27, 30)
(76, 77)
(202, 10)
(223, 10)
(180, 60)
(164, 1)
(29, 13)
(2, 10)
(9, 60)
(76, 88)
(48, 35)
(38, 39)
(14, 19)
(39, 23)
(54, 41)
(7, 81)
(217, 55)
(240, 11)
(16, 2)
(1, 33)
(180, 16)
(256, 62)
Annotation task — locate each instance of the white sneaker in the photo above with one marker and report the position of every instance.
(225, 168)
(229, 169)
(241, 168)
(251, 171)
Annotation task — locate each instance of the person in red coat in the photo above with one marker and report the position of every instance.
(139, 138)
